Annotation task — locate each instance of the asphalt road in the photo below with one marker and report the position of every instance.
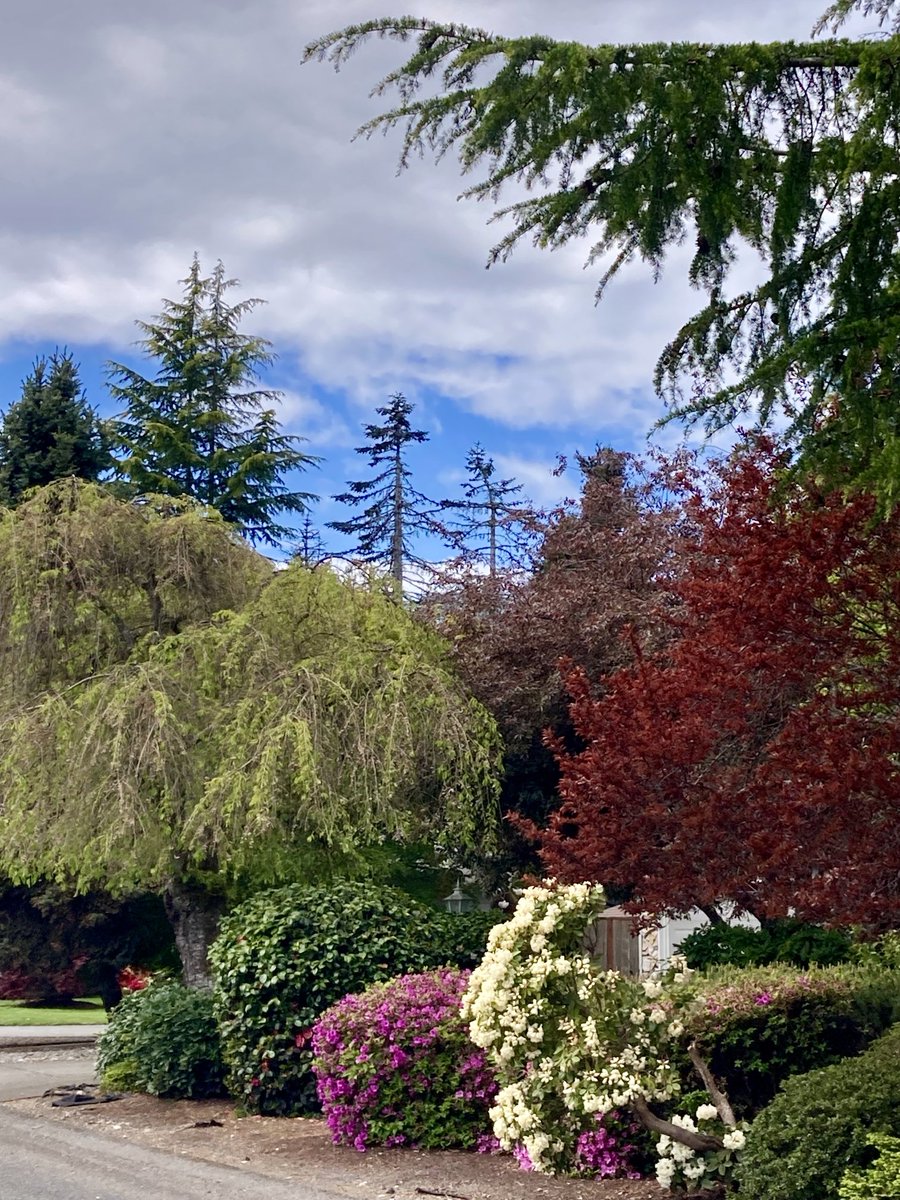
(45, 1161)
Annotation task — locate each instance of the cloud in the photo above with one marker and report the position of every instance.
(143, 133)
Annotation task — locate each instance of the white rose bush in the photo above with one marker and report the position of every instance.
(573, 1044)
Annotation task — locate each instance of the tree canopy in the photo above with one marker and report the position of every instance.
(755, 758)
(170, 705)
(786, 149)
(50, 431)
(202, 426)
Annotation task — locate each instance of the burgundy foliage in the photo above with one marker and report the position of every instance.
(757, 757)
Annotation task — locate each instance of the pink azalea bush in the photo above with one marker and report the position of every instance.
(395, 1066)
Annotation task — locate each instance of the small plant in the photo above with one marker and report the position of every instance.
(395, 1066)
(162, 1039)
(881, 1180)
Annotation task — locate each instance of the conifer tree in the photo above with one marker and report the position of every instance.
(203, 426)
(789, 148)
(493, 523)
(50, 432)
(394, 510)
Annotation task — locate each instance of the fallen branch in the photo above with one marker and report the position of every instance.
(687, 1137)
(428, 1192)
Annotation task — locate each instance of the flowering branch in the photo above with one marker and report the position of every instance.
(695, 1141)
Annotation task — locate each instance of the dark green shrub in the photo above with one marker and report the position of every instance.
(801, 1145)
(163, 1040)
(759, 1026)
(286, 955)
(784, 941)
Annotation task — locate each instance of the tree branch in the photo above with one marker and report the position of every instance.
(719, 1099)
(696, 1141)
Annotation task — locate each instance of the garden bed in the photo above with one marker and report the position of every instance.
(301, 1149)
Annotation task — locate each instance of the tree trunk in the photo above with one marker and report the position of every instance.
(194, 913)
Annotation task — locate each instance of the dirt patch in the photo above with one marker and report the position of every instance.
(301, 1149)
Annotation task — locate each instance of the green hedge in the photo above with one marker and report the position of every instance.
(785, 941)
(759, 1026)
(800, 1147)
(286, 955)
(163, 1040)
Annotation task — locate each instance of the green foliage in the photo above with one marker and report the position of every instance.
(286, 955)
(50, 432)
(265, 744)
(757, 1027)
(881, 1180)
(202, 427)
(85, 578)
(883, 951)
(787, 147)
(163, 1040)
(784, 941)
(800, 1146)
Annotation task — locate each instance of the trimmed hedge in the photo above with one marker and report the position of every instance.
(786, 941)
(286, 955)
(760, 1026)
(800, 1147)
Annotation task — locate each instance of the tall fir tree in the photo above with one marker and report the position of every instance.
(789, 148)
(493, 523)
(50, 431)
(394, 510)
(202, 426)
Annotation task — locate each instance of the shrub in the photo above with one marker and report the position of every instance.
(881, 1179)
(283, 957)
(786, 941)
(163, 1039)
(800, 1146)
(757, 1027)
(395, 1066)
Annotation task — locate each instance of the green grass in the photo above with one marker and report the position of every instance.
(80, 1012)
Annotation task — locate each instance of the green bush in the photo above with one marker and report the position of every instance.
(800, 1146)
(879, 1181)
(163, 1040)
(785, 941)
(759, 1026)
(286, 955)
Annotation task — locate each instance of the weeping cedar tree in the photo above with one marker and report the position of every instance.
(787, 148)
(492, 524)
(304, 722)
(201, 427)
(394, 509)
(50, 432)
(756, 759)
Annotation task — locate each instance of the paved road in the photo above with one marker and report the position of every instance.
(46, 1161)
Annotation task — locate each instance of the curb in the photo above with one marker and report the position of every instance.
(46, 1043)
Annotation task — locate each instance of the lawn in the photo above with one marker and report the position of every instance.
(80, 1012)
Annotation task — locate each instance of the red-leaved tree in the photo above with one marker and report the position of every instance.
(755, 759)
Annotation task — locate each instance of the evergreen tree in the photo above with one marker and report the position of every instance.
(790, 148)
(50, 432)
(309, 546)
(394, 510)
(492, 524)
(202, 427)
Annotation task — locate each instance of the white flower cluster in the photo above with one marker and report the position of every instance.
(680, 1164)
(566, 1038)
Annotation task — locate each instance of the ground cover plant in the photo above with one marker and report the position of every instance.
(286, 955)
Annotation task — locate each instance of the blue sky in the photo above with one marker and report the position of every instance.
(134, 134)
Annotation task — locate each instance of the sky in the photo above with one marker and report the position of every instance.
(134, 134)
